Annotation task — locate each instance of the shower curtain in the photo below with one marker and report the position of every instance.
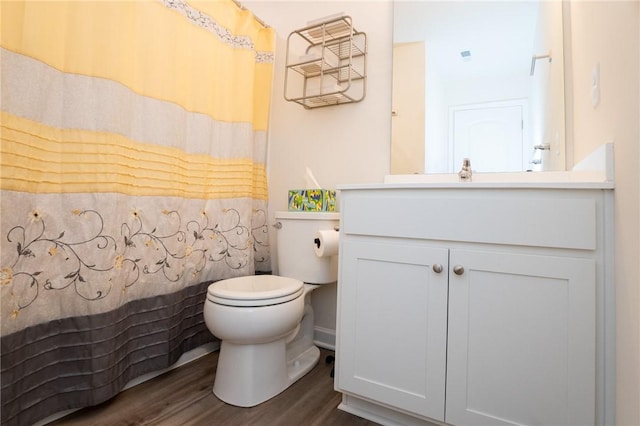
(132, 175)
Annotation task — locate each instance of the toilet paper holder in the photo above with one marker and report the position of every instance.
(316, 241)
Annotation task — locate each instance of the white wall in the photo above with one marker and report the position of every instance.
(340, 144)
(437, 118)
(607, 32)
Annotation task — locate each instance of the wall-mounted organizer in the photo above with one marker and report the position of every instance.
(326, 64)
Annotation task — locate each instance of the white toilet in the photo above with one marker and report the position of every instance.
(265, 322)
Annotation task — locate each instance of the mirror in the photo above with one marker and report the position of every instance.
(482, 80)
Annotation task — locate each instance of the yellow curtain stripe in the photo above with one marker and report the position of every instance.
(40, 159)
(182, 63)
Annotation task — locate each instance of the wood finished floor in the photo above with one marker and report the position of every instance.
(184, 397)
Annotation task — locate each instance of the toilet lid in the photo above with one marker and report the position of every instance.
(254, 290)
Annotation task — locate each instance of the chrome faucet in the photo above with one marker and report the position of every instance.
(465, 172)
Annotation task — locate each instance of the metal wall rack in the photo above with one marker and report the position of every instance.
(332, 69)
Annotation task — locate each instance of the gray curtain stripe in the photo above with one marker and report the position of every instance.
(82, 361)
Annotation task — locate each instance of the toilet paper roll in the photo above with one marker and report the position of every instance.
(325, 243)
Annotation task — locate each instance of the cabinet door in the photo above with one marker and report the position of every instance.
(392, 328)
(521, 340)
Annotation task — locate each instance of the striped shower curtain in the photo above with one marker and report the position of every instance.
(132, 175)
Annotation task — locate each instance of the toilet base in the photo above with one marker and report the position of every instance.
(298, 367)
(248, 375)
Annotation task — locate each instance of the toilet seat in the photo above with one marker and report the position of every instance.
(254, 290)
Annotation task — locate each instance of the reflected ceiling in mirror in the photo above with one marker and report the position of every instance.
(463, 87)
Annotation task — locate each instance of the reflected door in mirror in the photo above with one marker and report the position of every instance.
(491, 136)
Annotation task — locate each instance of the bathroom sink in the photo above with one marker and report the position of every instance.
(596, 170)
(499, 178)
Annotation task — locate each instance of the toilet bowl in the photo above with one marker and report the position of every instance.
(266, 322)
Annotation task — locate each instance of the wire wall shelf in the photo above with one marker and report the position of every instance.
(326, 64)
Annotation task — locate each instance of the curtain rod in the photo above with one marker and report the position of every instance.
(260, 21)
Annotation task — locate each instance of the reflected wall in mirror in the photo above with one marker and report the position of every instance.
(466, 83)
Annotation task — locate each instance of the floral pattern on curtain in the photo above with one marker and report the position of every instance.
(132, 175)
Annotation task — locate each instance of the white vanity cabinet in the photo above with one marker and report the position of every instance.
(474, 306)
(393, 324)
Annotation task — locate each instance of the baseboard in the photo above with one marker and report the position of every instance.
(324, 338)
(382, 415)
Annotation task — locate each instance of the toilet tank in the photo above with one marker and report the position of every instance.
(296, 256)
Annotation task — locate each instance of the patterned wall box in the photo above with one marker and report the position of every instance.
(312, 200)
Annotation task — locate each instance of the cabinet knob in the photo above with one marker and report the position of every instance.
(458, 270)
(437, 268)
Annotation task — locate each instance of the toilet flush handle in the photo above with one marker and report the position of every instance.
(277, 225)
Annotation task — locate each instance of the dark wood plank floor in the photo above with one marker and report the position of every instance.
(184, 397)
